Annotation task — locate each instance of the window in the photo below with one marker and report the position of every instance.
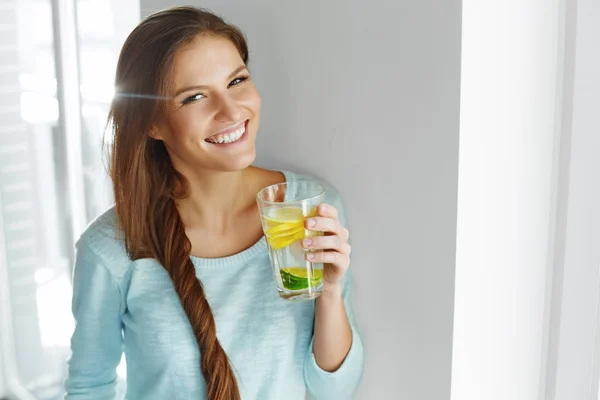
(41, 118)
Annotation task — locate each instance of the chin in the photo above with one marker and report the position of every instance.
(239, 164)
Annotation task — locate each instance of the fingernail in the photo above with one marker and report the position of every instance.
(324, 208)
(307, 242)
(311, 256)
(311, 223)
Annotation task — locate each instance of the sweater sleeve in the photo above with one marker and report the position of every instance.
(97, 342)
(342, 383)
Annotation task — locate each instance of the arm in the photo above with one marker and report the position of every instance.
(332, 335)
(335, 358)
(334, 364)
(96, 344)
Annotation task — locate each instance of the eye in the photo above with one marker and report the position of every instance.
(237, 81)
(193, 98)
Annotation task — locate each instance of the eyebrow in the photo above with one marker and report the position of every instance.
(190, 88)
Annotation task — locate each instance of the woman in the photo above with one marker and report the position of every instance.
(177, 274)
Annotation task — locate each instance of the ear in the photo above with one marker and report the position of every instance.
(155, 133)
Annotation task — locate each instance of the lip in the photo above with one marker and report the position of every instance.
(232, 128)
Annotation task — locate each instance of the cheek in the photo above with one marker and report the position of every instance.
(257, 104)
(257, 101)
(187, 125)
(252, 101)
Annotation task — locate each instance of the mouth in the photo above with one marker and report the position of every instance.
(232, 135)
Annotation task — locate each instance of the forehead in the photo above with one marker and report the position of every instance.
(208, 59)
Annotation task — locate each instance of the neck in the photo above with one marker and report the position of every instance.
(215, 199)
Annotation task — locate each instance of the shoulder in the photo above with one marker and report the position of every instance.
(101, 233)
(102, 242)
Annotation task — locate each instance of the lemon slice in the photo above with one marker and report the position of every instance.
(281, 242)
(285, 228)
(285, 225)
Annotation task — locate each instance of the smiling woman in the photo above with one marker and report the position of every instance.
(183, 250)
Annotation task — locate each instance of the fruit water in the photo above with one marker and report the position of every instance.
(296, 277)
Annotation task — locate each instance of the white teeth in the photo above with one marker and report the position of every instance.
(228, 137)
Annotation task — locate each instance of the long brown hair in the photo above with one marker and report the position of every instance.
(145, 183)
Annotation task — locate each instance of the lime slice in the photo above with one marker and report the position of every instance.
(298, 278)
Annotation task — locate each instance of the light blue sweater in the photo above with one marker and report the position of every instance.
(131, 306)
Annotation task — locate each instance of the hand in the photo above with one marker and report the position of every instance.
(335, 254)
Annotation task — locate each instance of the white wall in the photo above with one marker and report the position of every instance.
(506, 203)
(366, 95)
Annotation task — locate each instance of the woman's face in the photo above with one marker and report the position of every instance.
(214, 112)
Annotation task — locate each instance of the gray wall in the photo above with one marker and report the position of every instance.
(2, 379)
(575, 337)
(366, 95)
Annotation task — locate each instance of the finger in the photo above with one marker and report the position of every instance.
(329, 257)
(333, 242)
(327, 210)
(345, 235)
(325, 224)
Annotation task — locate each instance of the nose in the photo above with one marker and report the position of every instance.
(228, 110)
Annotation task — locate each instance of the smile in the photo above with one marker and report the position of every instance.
(230, 135)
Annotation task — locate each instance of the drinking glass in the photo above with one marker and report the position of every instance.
(283, 208)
